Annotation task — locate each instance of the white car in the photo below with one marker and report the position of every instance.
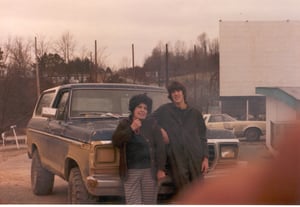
(252, 130)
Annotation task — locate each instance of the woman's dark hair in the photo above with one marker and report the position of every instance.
(176, 86)
(138, 99)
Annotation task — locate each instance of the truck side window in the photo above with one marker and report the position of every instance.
(45, 101)
(62, 106)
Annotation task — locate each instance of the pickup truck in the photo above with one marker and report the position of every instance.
(69, 135)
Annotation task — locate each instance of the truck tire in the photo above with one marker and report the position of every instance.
(252, 134)
(41, 179)
(77, 192)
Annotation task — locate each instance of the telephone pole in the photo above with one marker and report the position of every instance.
(96, 64)
(167, 66)
(37, 69)
(133, 69)
(195, 75)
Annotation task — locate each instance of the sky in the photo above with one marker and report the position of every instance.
(117, 24)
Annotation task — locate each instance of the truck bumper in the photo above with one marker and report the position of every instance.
(104, 186)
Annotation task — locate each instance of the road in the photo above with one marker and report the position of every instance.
(15, 187)
(254, 151)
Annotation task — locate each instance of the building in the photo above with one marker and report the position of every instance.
(283, 109)
(256, 54)
(261, 60)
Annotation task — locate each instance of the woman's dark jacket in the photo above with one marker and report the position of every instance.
(187, 141)
(151, 132)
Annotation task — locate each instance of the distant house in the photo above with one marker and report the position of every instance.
(282, 110)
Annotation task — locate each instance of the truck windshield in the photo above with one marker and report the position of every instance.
(108, 103)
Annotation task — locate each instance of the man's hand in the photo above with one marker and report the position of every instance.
(204, 166)
(165, 136)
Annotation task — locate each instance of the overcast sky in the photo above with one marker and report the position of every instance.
(116, 24)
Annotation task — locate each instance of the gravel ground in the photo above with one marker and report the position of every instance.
(9, 151)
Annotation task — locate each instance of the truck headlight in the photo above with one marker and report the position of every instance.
(105, 154)
(228, 151)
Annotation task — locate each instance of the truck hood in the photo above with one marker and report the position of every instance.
(101, 130)
(91, 130)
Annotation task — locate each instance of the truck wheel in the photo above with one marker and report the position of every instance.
(77, 192)
(252, 134)
(41, 179)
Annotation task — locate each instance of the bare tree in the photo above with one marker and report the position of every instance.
(6, 48)
(214, 47)
(180, 48)
(43, 45)
(125, 63)
(65, 46)
(102, 56)
(2, 65)
(203, 43)
(179, 57)
(84, 53)
(19, 55)
(17, 93)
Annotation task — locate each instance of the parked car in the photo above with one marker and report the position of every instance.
(252, 130)
(220, 134)
(69, 135)
(226, 146)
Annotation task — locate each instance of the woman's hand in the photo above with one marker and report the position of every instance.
(160, 174)
(135, 125)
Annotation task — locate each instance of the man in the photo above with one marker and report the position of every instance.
(184, 131)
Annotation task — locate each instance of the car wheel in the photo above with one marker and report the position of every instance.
(252, 134)
(41, 179)
(77, 192)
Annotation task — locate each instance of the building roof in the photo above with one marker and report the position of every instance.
(288, 95)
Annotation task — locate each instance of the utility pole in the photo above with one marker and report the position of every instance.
(96, 64)
(167, 66)
(195, 75)
(159, 70)
(67, 52)
(37, 69)
(133, 69)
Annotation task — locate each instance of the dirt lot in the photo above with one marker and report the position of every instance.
(15, 180)
(11, 151)
(15, 187)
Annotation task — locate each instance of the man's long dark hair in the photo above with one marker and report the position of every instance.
(176, 86)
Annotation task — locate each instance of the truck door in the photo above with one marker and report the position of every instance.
(58, 145)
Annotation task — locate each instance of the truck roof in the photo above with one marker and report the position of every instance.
(109, 86)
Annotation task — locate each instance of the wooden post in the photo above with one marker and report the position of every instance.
(167, 66)
(37, 69)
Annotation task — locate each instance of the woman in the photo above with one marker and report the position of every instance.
(142, 152)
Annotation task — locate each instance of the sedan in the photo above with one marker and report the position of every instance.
(252, 130)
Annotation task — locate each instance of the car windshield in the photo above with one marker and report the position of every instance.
(228, 118)
(108, 103)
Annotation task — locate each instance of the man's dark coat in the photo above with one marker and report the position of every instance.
(188, 144)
